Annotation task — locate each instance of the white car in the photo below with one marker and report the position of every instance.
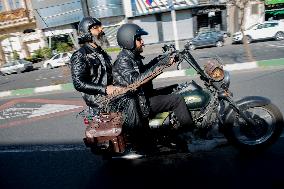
(16, 66)
(58, 60)
(269, 29)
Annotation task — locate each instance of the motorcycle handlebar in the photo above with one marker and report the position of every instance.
(185, 54)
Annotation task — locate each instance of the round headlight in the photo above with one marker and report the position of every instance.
(214, 70)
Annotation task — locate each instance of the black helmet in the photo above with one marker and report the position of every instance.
(126, 35)
(86, 23)
(84, 29)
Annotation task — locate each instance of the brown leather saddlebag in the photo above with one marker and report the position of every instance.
(104, 132)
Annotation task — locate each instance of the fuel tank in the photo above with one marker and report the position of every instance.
(194, 96)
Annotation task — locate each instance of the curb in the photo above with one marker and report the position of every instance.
(168, 74)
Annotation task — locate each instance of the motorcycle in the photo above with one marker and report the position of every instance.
(250, 124)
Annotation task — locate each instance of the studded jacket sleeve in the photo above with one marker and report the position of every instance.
(83, 79)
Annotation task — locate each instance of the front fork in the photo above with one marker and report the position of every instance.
(239, 111)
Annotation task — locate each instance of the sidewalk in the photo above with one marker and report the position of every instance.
(175, 73)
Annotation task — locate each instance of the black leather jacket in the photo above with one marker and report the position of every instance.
(129, 68)
(91, 72)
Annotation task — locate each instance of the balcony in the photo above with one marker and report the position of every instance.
(15, 18)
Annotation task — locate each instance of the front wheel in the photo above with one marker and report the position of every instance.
(192, 47)
(248, 39)
(267, 128)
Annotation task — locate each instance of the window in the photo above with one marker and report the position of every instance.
(260, 26)
(254, 9)
(56, 57)
(1, 6)
(14, 4)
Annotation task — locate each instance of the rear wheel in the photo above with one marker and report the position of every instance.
(266, 130)
(49, 66)
(279, 36)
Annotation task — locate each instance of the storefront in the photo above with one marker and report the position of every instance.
(274, 9)
(191, 17)
(210, 18)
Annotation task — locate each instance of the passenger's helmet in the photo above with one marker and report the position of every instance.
(84, 28)
(126, 35)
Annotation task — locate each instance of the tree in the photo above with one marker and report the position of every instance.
(242, 6)
(16, 55)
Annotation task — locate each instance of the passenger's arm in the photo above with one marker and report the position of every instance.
(80, 72)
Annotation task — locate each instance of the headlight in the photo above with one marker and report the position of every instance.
(214, 70)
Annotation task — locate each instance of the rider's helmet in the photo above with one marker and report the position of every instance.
(84, 28)
(127, 34)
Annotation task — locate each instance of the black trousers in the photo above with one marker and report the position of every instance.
(171, 102)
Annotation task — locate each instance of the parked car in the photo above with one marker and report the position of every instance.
(266, 30)
(206, 39)
(58, 60)
(16, 66)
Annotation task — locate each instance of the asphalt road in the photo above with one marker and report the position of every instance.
(49, 153)
(229, 54)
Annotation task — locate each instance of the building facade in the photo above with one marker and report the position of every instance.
(192, 16)
(18, 31)
(61, 18)
(51, 18)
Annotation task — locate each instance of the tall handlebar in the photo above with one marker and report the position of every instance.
(187, 56)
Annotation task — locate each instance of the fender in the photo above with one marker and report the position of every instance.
(246, 102)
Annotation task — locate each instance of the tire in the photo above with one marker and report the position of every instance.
(259, 138)
(192, 47)
(49, 66)
(279, 36)
(249, 40)
(219, 44)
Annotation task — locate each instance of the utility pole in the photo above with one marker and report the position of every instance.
(173, 16)
(85, 8)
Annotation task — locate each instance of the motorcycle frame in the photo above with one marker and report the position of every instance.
(225, 95)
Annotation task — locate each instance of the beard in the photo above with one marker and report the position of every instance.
(101, 40)
(138, 50)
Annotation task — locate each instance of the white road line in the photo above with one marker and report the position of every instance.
(280, 46)
(47, 88)
(51, 108)
(5, 93)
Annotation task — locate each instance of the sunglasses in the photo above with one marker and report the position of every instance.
(138, 38)
(96, 27)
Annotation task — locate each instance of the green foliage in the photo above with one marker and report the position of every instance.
(46, 52)
(113, 49)
(63, 47)
(40, 54)
(61, 43)
(16, 55)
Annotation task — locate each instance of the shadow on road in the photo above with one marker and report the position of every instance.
(76, 167)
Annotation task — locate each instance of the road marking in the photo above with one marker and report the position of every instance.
(23, 111)
(280, 46)
(52, 108)
(47, 88)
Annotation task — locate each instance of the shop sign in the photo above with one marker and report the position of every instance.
(207, 11)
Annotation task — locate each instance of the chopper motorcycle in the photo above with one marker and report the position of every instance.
(250, 124)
